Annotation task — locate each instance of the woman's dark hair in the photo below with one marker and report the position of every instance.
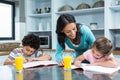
(62, 21)
(103, 45)
(31, 40)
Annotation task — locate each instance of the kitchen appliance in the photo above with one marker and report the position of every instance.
(45, 41)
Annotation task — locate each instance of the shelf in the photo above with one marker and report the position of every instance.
(115, 8)
(40, 31)
(84, 11)
(40, 15)
(98, 29)
(85, 16)
(115, 29)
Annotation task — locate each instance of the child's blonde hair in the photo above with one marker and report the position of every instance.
(103, 45)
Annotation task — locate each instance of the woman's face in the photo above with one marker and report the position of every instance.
(70, 30)
(27, 50)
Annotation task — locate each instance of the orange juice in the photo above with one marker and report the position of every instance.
(67, 75)
(19, 63)
(67, 62)
(19, 76)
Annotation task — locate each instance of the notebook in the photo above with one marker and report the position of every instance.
(39, 63)
(98, 69)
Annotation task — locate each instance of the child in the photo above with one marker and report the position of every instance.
(100, 54)
(30, 46)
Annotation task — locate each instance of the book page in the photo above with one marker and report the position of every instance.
(39, 63)
(74, 67)
(98, 69)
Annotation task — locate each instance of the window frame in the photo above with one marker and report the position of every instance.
(12, 37)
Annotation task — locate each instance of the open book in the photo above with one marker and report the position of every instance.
(98, 69)
(39, 63)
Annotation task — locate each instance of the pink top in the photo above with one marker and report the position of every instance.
(88, 56)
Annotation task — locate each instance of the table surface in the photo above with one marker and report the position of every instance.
(56, 73)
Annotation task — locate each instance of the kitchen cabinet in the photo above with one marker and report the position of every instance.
(112, 24)
(36, 17)
(106, 17)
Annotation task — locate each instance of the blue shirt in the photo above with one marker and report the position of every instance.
(87, 39)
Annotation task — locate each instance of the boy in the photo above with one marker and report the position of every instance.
(29, 50)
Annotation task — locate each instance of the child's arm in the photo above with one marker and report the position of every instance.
(108, 63)
(41, 58)
(78, 60)
(9, 62)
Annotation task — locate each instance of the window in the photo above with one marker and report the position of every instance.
(7, 22)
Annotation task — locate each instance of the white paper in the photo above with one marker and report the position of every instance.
(99, 69)
(37, 63)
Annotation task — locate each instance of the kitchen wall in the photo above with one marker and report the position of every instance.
(20, 20)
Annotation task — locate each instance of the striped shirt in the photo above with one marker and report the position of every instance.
(18, 52)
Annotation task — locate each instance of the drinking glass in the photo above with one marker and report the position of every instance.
(67, 75)
(19, 76)
(19, 63)
(67, 61)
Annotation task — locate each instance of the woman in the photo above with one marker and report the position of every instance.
(75, 36)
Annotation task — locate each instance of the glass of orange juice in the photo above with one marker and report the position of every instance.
(19, 63)
(67, 62)
(19, 76)
(67, 75)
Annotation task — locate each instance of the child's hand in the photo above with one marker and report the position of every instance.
(77, 63)
(30, 59)
(47, 56)
(25, 60)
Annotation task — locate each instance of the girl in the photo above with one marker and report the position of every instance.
(100, 54)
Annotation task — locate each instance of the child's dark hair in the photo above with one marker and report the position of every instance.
(31, 40)
(103, 45)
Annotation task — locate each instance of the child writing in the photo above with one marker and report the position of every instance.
(100, 54)
(29, 50)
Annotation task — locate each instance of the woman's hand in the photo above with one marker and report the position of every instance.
(77, 62)
(61, 63)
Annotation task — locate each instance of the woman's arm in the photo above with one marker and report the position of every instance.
(59, 53)
(89, 36)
